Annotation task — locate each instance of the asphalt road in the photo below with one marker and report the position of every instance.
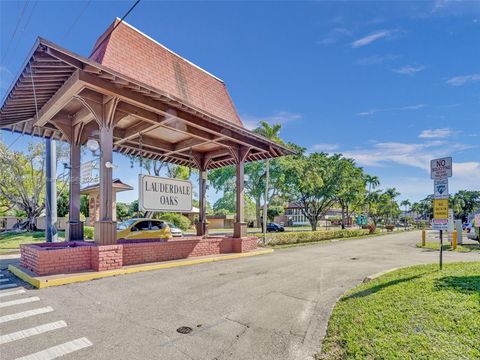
(266, 307)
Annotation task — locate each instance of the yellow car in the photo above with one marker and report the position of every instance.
(143, 229)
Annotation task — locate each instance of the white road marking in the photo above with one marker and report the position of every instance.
(59, 350)
(1, 275)
(8, 286)
(4, 280)
(14, 292)
(19, 301)
(24, 314)
(32, 331)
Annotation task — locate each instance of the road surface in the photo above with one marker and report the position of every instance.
(265, 307)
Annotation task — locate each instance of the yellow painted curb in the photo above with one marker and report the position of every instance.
(42, 282)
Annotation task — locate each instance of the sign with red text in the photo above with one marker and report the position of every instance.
(441, 168)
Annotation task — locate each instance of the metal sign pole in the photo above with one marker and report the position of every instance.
(441, 249)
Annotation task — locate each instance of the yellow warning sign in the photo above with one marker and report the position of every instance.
(440, 208)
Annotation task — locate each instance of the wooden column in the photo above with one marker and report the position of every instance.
(105, 228)
(240, 226)
(202, 192)
(75, 226)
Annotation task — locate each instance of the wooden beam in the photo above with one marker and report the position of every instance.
(71, 87)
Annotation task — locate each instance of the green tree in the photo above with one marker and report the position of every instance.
(406, 204)
(352, 187)
(122, 211)
(313, 180)
(464, 203)
(84, 205)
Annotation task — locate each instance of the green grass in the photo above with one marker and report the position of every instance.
(10, 241)
(418, 312)
(446, 247)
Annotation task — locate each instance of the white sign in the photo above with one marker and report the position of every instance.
(440, 189)
(450, 221)
(86, 172)
(441, 168)
(439, 224)
(164, 194)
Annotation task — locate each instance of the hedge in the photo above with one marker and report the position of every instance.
(299, 237)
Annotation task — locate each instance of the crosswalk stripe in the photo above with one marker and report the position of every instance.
(24, 314)
(10, 293)
(32, 331)
(19, 301)
(1, 275)
(8, 286)
(4, 280)
(59, 350)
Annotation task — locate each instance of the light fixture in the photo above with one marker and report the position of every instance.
(92, 145)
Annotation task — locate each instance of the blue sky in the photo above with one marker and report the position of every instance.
(391, 84)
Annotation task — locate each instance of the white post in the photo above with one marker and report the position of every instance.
(265, 204)
(51, 192)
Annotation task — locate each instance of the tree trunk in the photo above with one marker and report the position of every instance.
(258, 209)
(343, 217)
(313, 223)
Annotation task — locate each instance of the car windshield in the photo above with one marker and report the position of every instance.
(125, 224)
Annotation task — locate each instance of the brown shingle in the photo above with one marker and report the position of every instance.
(134, 54)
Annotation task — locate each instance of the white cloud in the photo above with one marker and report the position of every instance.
(401, 108)
(409, 70)
(281, 117)
(382, 34)
(462, 80)
(435, 133)
(334, 36)
(409, 154)
(376, 59)
(324, 147)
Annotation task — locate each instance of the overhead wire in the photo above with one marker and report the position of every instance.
(22, 13)
(80, 14)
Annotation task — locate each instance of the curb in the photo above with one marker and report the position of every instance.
(41, 282)
(377, 275)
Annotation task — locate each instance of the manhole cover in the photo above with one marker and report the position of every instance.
(184, 330)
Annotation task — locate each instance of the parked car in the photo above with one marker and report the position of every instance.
(471, 232)
(176, 232)
(143, 229)
(272, 227)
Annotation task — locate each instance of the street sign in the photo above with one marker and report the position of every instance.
(86, 171)
(440, 209)
(164, 194)
(441, 168)
(439, 224)
(440, 189)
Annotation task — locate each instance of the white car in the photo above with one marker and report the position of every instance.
(471, 232)
(176, 232)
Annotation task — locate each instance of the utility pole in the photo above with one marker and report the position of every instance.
(51, 192)
(265, 204)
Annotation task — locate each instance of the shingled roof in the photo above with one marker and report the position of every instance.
(132, 53)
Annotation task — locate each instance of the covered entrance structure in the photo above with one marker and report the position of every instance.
(136, 97)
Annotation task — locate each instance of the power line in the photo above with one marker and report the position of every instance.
(15, 30)
(111, 31)
(25, 26)
(80, 14)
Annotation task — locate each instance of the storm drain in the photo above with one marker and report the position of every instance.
(184, 330)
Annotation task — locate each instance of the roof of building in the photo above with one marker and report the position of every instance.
(135, 54)
(117, 185)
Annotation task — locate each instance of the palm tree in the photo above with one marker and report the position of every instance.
(270, 132)
(405, 203)
(372, 182)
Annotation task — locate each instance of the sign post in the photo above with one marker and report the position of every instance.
(164, 194)
(440, 171)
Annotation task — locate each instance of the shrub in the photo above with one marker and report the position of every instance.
(371, 228)
(389, 227)
(88, 232)
(312, 236)
(177, 219)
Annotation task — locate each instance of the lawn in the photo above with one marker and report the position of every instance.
(435, 245)
(10, 241)
(413, 313)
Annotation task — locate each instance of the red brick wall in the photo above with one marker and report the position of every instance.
(57, 258)
(107, 257)
(138, 253)
(61, 260)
